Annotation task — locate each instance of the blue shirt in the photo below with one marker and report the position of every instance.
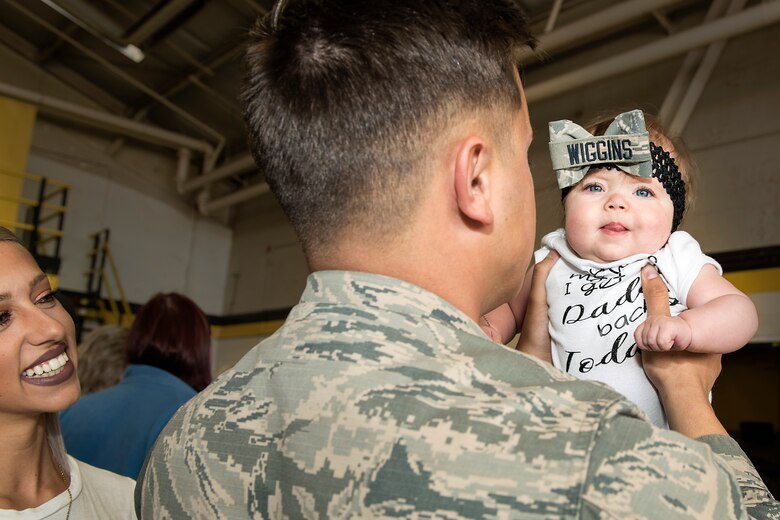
(115, 428)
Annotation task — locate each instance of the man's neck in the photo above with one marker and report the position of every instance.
(429, 266)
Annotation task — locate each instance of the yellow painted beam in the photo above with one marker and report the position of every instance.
(243, 330)
(756, 280)
(17, 120)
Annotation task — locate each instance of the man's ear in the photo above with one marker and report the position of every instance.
(473, 186)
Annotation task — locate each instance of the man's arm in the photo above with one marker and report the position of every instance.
(684, 381)
(639, 471)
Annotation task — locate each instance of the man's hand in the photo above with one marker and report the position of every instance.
(535, 335)
(683, 379)
(660, 331)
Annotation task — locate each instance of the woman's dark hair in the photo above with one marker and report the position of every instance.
(172, 333)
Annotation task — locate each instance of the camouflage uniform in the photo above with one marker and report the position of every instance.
(378, 399)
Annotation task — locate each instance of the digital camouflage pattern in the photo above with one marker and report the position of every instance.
(377, 399)
(625, 144)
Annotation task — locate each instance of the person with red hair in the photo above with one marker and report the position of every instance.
(168, 351)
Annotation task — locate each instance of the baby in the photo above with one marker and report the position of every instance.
(625, 191)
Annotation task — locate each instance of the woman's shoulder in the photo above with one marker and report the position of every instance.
(102, 490)
(89, 473)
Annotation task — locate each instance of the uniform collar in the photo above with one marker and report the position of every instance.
(384, 294)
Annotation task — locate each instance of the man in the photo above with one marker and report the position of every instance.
(394, 134)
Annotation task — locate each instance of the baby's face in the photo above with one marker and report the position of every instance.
(611, 215)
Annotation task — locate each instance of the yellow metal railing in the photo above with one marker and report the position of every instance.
(41, 240)
(99, 277)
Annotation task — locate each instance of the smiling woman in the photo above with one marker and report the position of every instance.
(38, 379)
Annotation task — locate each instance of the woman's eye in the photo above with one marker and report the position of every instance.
(46, 299)
(644, 192)
(5, 317)
(593, 188)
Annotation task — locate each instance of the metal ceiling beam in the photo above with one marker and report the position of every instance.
(56, 71)
(694, 73)
(756, 17)
(85, 87)
(590, 26)
(701, 77)
(203, 127)
(45, 53)
(663, 21)
(190, 79)
(554, 12)
(161, 17)
(692, 60)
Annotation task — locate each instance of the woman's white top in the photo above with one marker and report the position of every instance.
(97, 494)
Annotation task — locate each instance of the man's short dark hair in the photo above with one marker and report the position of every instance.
(342, 99)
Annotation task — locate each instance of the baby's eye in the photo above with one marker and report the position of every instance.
(593, 187)
(643, 192)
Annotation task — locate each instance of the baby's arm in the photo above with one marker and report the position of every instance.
(719, 319)
(499, 324)
(503, 323)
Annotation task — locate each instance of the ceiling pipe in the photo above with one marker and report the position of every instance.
(209, 207)
(104, 121)
(592, 25)
(242, 164)
(183, 166)
(756, 17)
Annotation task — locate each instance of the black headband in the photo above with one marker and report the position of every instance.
(668, 174)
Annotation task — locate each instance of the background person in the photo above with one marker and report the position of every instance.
(102, 358)
(39, 378)
(394, 134)
(168, 350)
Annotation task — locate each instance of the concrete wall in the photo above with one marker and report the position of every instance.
(157, 246)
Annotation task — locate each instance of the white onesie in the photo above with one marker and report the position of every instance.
(595, 309)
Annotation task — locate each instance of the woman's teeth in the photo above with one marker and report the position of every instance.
(48, 368)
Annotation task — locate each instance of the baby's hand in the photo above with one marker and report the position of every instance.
(662, 333)
(489, 329)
